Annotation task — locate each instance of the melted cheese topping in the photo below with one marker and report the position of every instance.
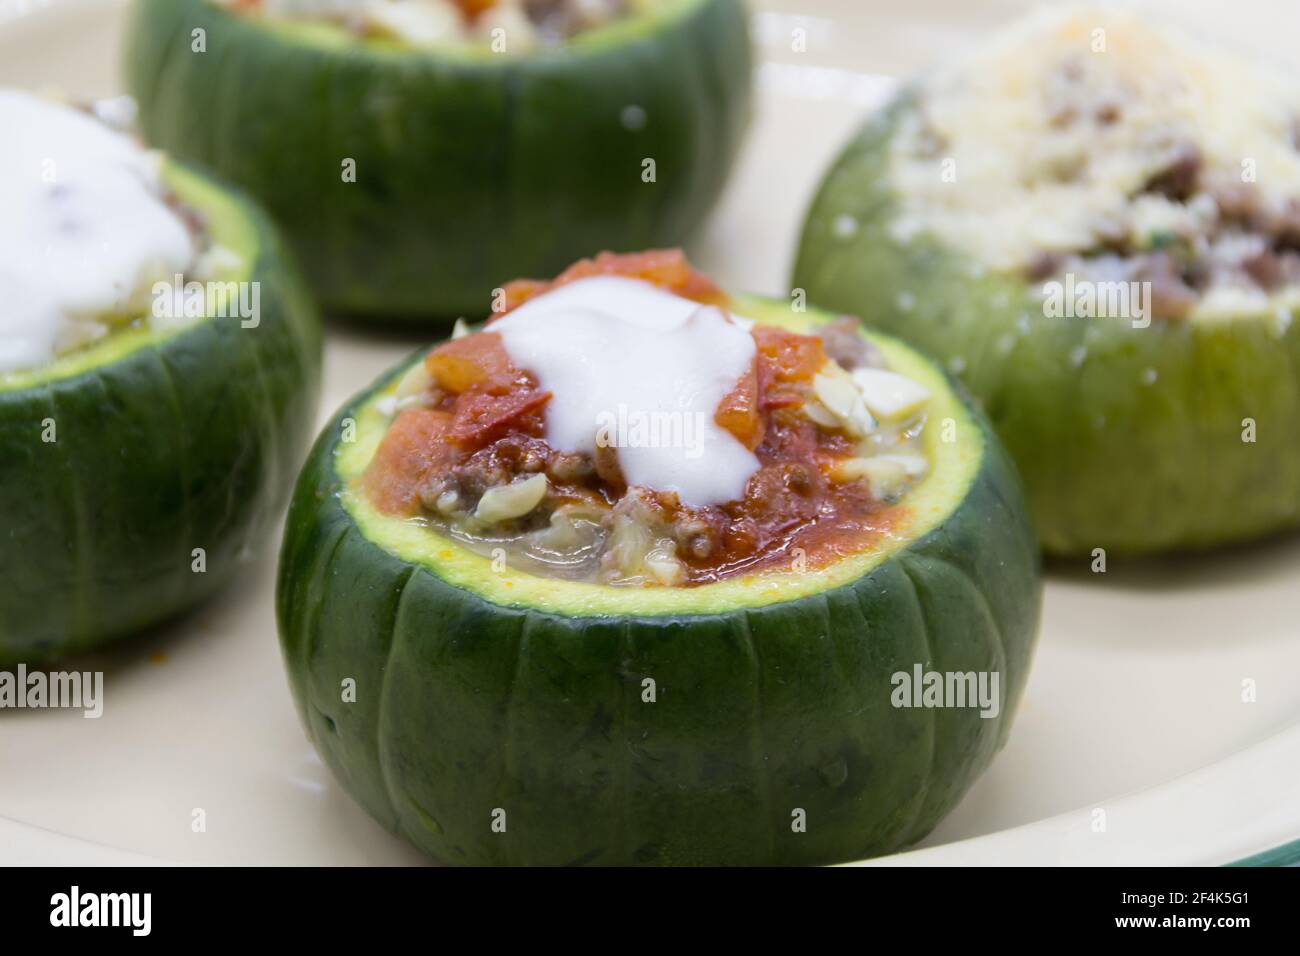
(643, 370)
(85, 232)
(1042, 140)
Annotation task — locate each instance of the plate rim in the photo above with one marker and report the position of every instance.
(29, 844)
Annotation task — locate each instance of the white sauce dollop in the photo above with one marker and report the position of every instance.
(84, 233)
(622, 352)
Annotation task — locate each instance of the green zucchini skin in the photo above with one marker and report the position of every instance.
(188, 442)
(463, 706)
(1128, 439)
(466, 170)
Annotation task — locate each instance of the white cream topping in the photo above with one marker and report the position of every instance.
(85, 232)
(645, 369)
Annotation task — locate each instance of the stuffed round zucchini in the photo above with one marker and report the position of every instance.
(1097, 225)
(415, 151)
(159, 359)
(646, 573)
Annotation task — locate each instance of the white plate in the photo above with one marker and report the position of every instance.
(1137, 682)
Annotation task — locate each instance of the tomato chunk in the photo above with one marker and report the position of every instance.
(475, 360)
(739, 412)
(666, 268)
(791, 357)
(414, 449)
(482, 417)
(472, 8)
(787, 363)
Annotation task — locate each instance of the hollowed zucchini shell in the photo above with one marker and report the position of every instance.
(447, 697)
(1183, 434)
(469, 165)
(138, 471)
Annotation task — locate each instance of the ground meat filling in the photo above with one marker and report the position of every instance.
(836, 436)
(1230, 236)
(1226, 234)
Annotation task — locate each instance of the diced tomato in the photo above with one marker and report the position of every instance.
(787, 363)
(474, 360)
(413, 450)
(519, 291)
(738, 412)
(700, 288)
(482, 417)
(666, 268)
(472, 8)
(792, 357)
